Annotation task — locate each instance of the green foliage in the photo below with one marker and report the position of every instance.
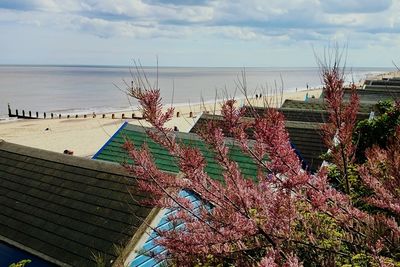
(363, 260)
(358, 190)
(21, 263)
(209, 262)
(99, 259)
(378, 130)
(326, 235)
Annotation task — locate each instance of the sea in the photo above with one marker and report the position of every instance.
(87, 89)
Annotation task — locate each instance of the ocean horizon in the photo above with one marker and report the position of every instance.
(77, 89)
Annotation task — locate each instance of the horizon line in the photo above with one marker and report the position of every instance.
(171, 66)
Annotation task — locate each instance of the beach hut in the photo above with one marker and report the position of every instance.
(61, 210)
(305, 137)
(309, 111)
(141, 252)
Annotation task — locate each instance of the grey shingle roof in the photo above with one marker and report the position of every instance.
(319, 104)
(305, 112)
(389, 82)
(383, 87)
(64, 207)
(304, 136)
(373, 96)
(307, 140)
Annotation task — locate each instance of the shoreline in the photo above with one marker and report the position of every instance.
(86, 136)
(256, 84)
(118, 111)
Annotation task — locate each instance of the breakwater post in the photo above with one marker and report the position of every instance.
(28, 115)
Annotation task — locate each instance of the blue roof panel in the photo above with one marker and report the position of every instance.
(143, 258)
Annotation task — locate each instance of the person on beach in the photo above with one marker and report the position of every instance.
(68, 152)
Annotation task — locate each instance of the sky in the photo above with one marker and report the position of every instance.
(226, 33)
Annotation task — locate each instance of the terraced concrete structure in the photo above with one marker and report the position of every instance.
(66, 209)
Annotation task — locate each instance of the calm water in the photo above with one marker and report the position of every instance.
(67, 89)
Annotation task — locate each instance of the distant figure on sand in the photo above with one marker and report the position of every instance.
(307, 86)
(68, 152)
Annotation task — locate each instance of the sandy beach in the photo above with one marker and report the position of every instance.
(85, 136)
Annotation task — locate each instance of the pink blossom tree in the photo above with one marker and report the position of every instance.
(285, 216)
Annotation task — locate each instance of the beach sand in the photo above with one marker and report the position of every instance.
(86, 136)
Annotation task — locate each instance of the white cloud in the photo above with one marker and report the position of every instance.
(355, 6)
(271, 23)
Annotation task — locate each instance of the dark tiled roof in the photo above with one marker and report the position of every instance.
(64, 207)
(113, 151)
(373, 96)
(307, 140)
(384, 88)
(389, 82)
(303, 114)
(318, 104)
(304, 136)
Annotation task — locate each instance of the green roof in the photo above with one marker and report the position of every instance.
(114, 151)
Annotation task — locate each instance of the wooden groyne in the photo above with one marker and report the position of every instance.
(23, 115)
(44, 115)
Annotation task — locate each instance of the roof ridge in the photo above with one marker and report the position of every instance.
(84, 163)
(179, 135)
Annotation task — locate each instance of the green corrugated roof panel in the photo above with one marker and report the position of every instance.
(113, 151)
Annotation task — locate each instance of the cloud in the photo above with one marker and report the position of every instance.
(283, 21)
(141, 30)
(40, 5)
(179, 2)
(17, 5)
(355, 6)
